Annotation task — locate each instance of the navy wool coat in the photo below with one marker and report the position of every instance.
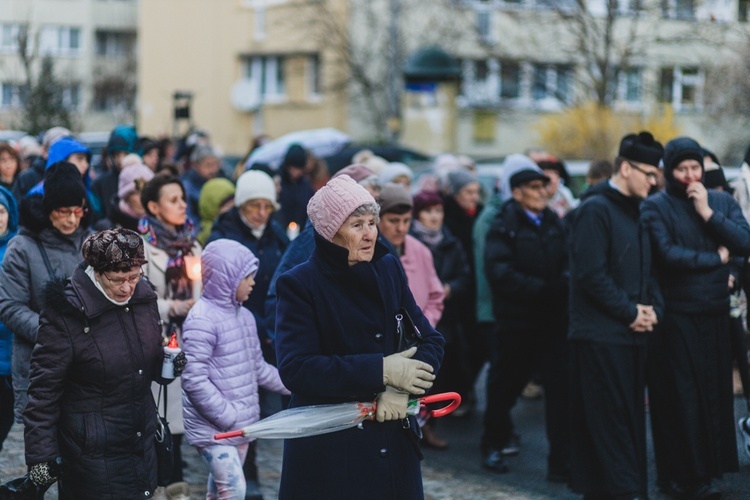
(335, 323)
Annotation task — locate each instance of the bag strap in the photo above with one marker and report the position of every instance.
(159, 399)
(45, 258)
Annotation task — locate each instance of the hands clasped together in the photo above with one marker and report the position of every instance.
(646, 319)
(402, 376)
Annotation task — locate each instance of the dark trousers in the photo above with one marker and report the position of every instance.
(6, 407)
(608, 420)
(516, 356)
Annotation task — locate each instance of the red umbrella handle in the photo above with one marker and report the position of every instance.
(227, 435)
(453, 397)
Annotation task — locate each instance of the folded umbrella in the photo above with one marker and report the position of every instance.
(313, 420)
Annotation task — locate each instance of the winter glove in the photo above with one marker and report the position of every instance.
(44, 473)
(391, 405)
(179, 362)
(410, 375)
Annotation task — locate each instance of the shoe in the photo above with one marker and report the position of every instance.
(704, 491)
(252, 491)
(513, 446)
(495, 462)
(532, 391)
(431, 439)
(178, 491)
(744, 424)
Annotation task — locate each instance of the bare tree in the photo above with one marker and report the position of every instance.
(42, 90)
(370, 41)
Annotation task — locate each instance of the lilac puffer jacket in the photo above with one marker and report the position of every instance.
(225, 365)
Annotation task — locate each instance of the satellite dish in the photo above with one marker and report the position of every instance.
(245, 96)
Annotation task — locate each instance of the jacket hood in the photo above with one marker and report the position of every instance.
(65, 147)
(122, 138)
(9, 202)
(213, 194)
(676, 151)
(224, 263)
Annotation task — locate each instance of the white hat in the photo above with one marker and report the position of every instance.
(253, 185)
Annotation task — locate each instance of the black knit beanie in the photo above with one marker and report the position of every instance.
(63, 187)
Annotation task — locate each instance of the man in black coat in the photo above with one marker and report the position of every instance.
(694, 231)
(526, 267)
(614, 303)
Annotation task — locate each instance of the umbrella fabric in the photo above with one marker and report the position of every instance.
(320, 142)
(307, 421)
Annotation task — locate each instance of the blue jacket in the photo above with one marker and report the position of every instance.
(335, 323)
(6, 336)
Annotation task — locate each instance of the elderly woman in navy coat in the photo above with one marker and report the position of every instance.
(336, 342)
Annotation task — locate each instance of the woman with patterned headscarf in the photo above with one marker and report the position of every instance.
(169, 242)
(90, 420)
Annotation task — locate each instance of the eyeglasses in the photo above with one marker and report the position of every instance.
(64, 213)
(131, 280)
(257, 206)
(652, 176)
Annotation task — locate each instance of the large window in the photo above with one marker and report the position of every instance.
(9, 33)
(313, 77)
(678, 9)
(510, 80)
(266, 75)
(681, 87)
(72, 96)
(115, 43)
(11, 95)
(552, 81)
(60, 40)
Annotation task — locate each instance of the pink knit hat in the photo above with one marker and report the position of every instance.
(334, 203)
(132, 178)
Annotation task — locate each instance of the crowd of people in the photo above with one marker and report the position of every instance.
(288, 287)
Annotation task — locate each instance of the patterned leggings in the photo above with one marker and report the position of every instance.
(226, 480)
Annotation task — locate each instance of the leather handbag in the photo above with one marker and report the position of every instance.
(163, 443)
(408, 333)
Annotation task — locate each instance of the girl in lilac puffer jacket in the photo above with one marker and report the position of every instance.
(225, 366)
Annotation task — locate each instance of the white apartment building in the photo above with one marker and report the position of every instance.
(92, 43)
(528, 62)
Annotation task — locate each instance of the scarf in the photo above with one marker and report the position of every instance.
(430, 237)
(176, 245)
(90, 274)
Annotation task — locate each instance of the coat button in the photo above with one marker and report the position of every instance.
(147, 493)
(378, 337)
(384, 452)
(140, 372)
(127, 309)
(138, 433)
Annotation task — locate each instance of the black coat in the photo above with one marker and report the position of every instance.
(526, 266)
(610, 268)
(452, 267)
(691, 274)
(90, 397)
(335, 323)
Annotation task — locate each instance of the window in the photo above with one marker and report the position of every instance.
(9, 36)
(681, 87)
(72, 96)
(510, 80)
(553, 81)
(484, 26)
(114, 43)
(60, 40)
(313, 76)
(11, 95)
(110, 96)
(678, 9)
(266, 74)
(744, 7)
(630, 84)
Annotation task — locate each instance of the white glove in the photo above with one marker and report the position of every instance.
(391, 405)
(410, 375)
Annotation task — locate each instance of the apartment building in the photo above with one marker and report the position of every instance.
(92, 44)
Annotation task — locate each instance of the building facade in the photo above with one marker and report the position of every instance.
(93, 47)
